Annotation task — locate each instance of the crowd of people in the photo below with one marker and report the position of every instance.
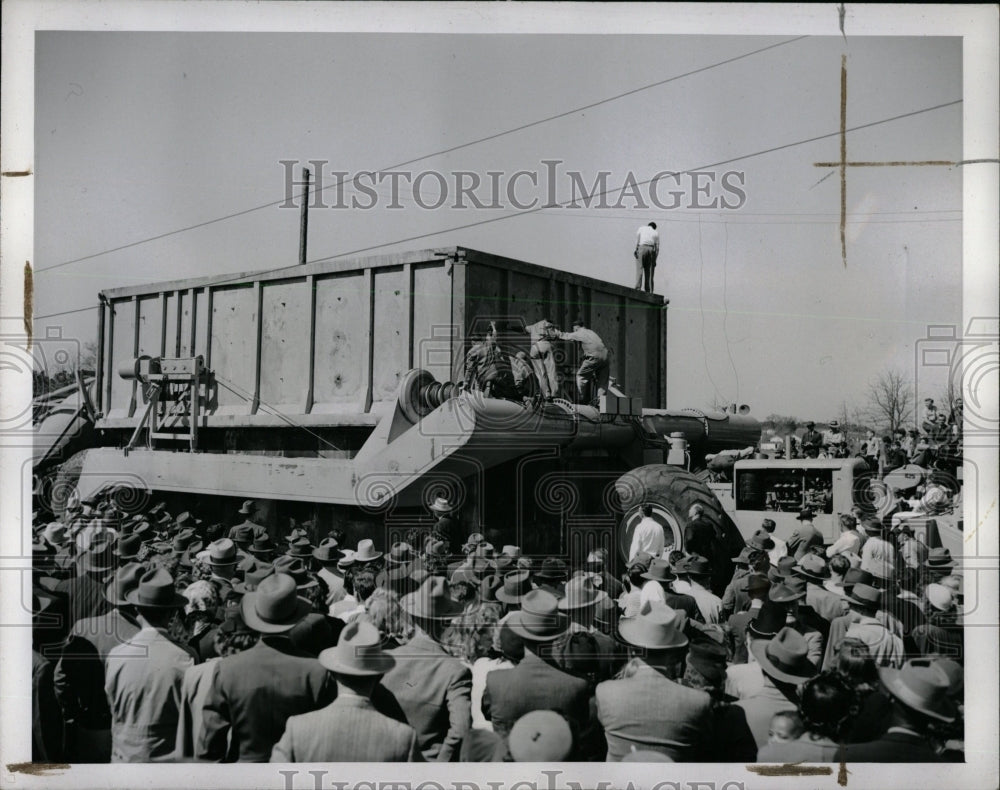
(161, 638)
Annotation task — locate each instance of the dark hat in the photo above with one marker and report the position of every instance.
(253, 578)
(866, 596)
(757, 582)
(358, 652)
(698, 566)
(581, 593)
(516, 585)
(274, 607)
(872, 524)
(810, 424)
(126, 578)
(659, 571)
(642, 558)
(786, 593)
(854, 576)
(328, 551)
(247, 507)
(488, 588)
(366, 551)
(297, 533)
(921, 685)
(541, 736)
(606, 612)
(300, 548)
(813, 568)
(261, 546)
(761, 540)
(155, 590)
(708, 658)
(553, 569)
(782, 570)
(399, 553)
(680, 565)
(431, 601)
(785, 657)
(656, 627)
(243, 534)
(769, 620)
(939, 559)
(128, 547)
(539, 618)
(806, 514)
(294, 567)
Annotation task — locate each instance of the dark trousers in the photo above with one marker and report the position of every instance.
(647, 259)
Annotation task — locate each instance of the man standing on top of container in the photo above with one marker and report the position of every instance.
(647, 248)
(594, 368)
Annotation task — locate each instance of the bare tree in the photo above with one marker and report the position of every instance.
(890, 400)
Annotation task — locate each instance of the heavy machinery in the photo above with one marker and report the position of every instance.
(326, 393)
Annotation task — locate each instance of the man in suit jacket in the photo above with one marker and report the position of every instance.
(535, 684)
(85, 591)
(920, 697)
(256, 691)
(432, 687)
(144, 676)
(806, 536)
(649, 709)
(349, 729)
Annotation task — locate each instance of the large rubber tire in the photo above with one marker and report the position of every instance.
(671, 491)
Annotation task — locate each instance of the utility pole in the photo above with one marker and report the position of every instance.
(304, 217)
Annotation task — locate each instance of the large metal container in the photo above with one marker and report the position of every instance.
(327, 343)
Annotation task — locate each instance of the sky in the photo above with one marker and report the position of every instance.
(140, 134)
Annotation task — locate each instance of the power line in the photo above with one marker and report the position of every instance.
(64, 312)
(441, 152)
(729, 161)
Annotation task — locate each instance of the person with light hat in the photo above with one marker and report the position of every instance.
(516, 585)
(143, 676)
(939, 563)
(885, 647)
(222, 557)
(649, 708)
(431, 686)
(535, 683)
(540, 736)
(328, 554)
(79, 672)
(920, 701)
(350, 729)
(806, 536)
(367, 555)
(785, 665)
(941, 633)
(256, 691)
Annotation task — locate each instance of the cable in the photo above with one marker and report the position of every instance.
(442, 152)
(637, 183)
(64, 312)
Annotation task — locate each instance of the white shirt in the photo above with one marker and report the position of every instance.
(648, 537)
(480, 669)
(651, 591)
(648, 235)
(780, 550)
(709, 604)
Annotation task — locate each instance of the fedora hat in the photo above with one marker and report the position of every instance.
(659, 571)
(399, 553)
(126, 578)
(679, 566)
(155, 590)
(581, 593)
(366, 551)
(328, 551)
(921, 685)
(854, 576)
(541, 736)
(247, 507)
(939, 559)
(346, 561)
(784, 657)
(184, 518)
(786, 593)
(834, 424)
(358, 652)
(940, 597)
(606, 613)
(757, 582)
(242, 535)
(441, 505)
(431, 601)
(253, 578)
(220, 553)
(99, 557)
(297, 533)
(697, 565)
(294, 567)
(553, 569)
(812, 568)
(866, 596)
(488, 588)
(516, 585)
(708, 658)
(539, 618)
(473, 542)
(159, 507)
(743, 558)
(128, 547)
(300, 548)
(656, 627)
(191, 551)
(261, 546)
(274, 607)
(806, 514)
(782, 570)
(433, 547)
(761, 540)
(501, 564)
(769, 620)
(511, 551)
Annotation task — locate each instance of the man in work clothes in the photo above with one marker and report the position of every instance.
(647, 248)
(594, 368)
(542, 360)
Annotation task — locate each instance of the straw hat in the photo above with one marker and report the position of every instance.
(539, 618)
(656, 627)
(358, 652)
(921, 685)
